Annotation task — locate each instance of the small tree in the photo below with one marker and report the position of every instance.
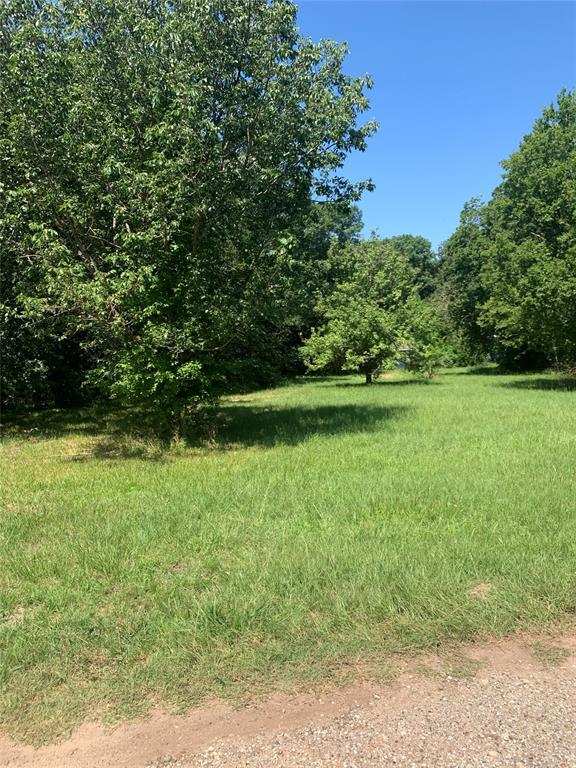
(426, 349)
(357, 335)
(368, 317)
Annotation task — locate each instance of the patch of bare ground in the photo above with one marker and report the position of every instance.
(507, 704)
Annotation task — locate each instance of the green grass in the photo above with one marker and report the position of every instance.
(329, 523)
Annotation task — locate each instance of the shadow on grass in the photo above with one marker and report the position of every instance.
(556, 384)
(118, 433)
(389, 383)
(490, 369)
(247, 426)
(496, 370)
(314, 378)
(126, 434)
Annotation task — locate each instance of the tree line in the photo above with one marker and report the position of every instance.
(508, 273)
(174, 221)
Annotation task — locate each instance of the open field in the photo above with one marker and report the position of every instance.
(328, 522)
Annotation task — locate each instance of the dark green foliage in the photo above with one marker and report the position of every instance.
(156, 164)
(537, 199)
(418, 251)
(508, 274)
(173, 222)
(530, 263)
(460, 291)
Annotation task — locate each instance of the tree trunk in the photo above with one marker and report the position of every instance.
(368, 377)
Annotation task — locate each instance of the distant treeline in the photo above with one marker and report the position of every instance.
(173, 223)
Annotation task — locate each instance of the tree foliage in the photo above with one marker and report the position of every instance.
(508, 273)
(418, 250)
(530, 262)
(155, 162)
(174, 220)
(460, 288)
(374, 316)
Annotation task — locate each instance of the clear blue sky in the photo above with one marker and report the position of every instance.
(457, 85)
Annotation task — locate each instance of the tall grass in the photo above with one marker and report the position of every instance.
(330, 521)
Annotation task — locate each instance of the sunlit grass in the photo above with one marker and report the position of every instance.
(329, 521)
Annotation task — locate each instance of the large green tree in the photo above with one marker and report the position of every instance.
(155, 161)
(530, 264)
(508, 274)
(418, 250)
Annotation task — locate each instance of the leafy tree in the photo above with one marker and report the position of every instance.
(530, 265)
(155, 161)
(325, 227)
(367, 318)
(418, 251)
(537, 198)
(532, 302)
(427, 347)
(460, 290)
(507, 280)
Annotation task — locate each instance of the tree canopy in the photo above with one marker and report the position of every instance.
(155, 161)
(508, 273)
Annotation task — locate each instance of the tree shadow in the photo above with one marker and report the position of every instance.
(316, 378)
(389, 383)
(86, 421)
(54, 422)
(131, 434)
(557, 384)
(494, 369)
(117, 432)
(267, 427)
(478, 370)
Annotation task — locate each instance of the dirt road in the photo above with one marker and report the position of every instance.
(510, 705)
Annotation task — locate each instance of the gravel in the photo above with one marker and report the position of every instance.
(514, 708)
(501, 720)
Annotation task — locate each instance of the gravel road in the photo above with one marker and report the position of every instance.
(503, 705)
(503, 720)
(516, 713)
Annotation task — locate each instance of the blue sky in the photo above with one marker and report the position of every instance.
(457, 85)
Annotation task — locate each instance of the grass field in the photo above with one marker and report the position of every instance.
(329, 522)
